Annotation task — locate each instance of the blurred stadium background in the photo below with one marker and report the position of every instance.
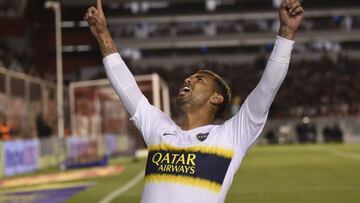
(66, 137)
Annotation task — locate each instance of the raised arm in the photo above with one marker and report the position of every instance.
(120, 77)
(260, 99)
(248, 123)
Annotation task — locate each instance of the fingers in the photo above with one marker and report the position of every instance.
(99, 5)
(95, 15)
(298, 11)
(91, 11)
(290, 4)
(293, 7)
(91, 15)
(93, 20)
(90, 19)
(284, 4)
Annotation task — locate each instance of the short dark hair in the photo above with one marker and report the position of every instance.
(222, 88)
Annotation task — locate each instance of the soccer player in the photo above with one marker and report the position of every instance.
(196, 161)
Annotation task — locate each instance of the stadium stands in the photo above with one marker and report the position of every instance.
(150, 29)
(323, 87)
(319, 101)
(11, 8)
(174, 32)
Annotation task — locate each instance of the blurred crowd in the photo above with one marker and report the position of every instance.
(44, 128)
(323, 87)
(10, 8)
(306, 131)
(21, 62)
(5, 129)
(148, 30)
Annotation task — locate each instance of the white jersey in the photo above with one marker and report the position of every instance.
(197, 165)
(191, 166)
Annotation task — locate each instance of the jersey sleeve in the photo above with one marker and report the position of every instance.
(123, 82)
(244, 128)
(147, 118)
(150, 121)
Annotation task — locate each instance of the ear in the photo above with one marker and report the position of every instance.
(216, 99)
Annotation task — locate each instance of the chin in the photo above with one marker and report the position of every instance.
(180, 101)
(183, 100)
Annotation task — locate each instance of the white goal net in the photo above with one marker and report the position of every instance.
(97, 112)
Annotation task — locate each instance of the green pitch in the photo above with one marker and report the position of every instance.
(270, 174)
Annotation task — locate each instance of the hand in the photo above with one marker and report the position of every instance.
(291, 15)
(98, 27)
(96, 19)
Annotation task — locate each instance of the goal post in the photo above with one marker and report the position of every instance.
(96, 112)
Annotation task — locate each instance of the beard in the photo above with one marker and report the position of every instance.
(185, 102)
(180, 101)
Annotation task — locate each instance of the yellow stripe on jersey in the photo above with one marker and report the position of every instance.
(184, 180)
(218, 151)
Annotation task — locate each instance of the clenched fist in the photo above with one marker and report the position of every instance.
(291, 15)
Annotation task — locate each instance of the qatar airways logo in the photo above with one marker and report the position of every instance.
(174, 162)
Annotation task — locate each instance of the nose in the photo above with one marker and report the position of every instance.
(187, 80)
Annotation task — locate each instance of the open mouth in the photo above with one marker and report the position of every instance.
(184, 90)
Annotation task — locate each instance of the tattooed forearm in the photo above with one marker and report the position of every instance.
(106, 44)
(285, 32)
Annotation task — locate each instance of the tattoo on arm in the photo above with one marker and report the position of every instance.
(286, 33)
(106, 44)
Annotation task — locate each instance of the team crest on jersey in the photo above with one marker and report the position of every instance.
(202, 136)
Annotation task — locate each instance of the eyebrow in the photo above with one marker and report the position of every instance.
(200, 76)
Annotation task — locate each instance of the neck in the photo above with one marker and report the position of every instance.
(195, 119)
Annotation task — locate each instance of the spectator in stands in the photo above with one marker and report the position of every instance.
(43, 128)
(271, 137)
(327, 134)
(333, 133)
(306, 131)
(5, 129)
(338, 134)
